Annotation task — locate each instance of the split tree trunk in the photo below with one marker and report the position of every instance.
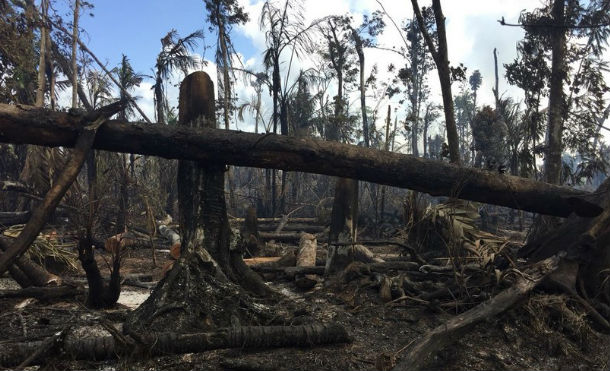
(24, 124)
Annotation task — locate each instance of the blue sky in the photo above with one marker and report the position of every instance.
(135, 28)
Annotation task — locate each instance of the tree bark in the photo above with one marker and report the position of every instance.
(441, 59)
(245, 337)
(23, 124)
(205, 288)
(44, 6)
(553, 163)
(74, 48)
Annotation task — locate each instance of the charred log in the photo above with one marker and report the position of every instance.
(21, 124)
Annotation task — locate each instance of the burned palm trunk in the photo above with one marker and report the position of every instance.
(250, 232)
(200, 292)
(343, 223)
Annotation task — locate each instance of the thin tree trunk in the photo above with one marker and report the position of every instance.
(552, 163)
(74, 48)
(360, 52)
(441, 60)
(496, 90)
(44, 5)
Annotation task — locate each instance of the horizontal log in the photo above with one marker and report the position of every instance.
(301, 227)
(14, 217)
(381, 267)
(29, 125)
(274, 220)
(42, 293)
(248, 337)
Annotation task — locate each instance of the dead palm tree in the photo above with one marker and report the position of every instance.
(127, 79)
(175, 54)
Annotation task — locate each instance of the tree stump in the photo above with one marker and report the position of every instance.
(210, 285)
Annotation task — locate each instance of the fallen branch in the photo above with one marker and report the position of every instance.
(41, 214)
(380, 267)
(452, 330)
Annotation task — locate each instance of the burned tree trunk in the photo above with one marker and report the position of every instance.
(202, 291)
(250, 232)
(43, 127)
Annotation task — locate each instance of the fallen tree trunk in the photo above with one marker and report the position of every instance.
(24, 124)
(276, 220)
(106, 347)
(42, 293)
(421, 351)
(14, 217)
(309, 228)
(26, 272)
(381, 267)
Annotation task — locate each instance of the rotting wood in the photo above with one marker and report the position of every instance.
(85, 137)
(435, 340)
(24, 124)
(247, 337)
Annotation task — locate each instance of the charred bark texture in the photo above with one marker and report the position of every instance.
(21, 124)
(101, 294)
(247, 337)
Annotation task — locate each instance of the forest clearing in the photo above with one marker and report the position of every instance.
(329, 233)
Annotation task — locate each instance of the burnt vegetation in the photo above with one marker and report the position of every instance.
(346, 208)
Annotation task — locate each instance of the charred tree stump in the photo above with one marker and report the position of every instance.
(209, 286)
(250, 232)
(100, 295)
